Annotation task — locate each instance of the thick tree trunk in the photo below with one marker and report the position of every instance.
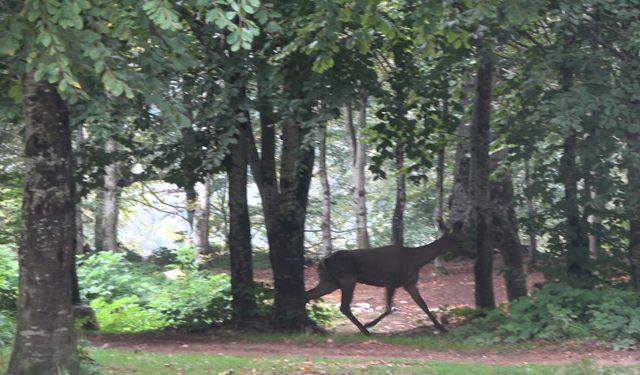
(110, 201)
(438, 213)
(480, 139)
(285, 208)
(531, 214)
(242, 287)
(200, 233)
(359, 155)
(45, 340)
(504, 231)
(325, 225)
(397, 225)
(460, 204)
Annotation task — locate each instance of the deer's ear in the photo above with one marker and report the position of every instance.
(457, 226)
(442, 226)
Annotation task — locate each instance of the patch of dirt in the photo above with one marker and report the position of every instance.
(455, 290)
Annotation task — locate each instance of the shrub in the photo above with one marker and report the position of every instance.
(195, 302)
(8, 278)
(559, 311)
(7, 328)
(126, 315)
(110, 276)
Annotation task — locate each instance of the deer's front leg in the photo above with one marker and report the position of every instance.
(345, 306)
(389, 292)
(412, 289)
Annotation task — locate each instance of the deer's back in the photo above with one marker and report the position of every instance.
(387, 266)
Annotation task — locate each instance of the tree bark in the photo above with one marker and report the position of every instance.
(359, 155)
(504, 231)
(200, 233)
(480, 139)
(110, 200)
(242, 287)
(325, 225)
(191, 198)
(438, 213)
(531, 214)
(46, 340)
(78, 162)
(285, 203)
(397, 225)
(633, 206)
(578, 273)
(98, 212)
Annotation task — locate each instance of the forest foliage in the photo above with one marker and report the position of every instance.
(188, 91)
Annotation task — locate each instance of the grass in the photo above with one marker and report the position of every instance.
(124, 362)
(437, 343)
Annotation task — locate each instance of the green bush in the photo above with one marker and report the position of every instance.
(126, 315)
(110, 276)
(7, 328)
(559, 311)
(8, 278)
(195, 301)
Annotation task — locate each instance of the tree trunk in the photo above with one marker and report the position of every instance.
(98, 212)
(242, 288)
(46, 340)
(200, 233)
(480, 139)
(191, 198)
(460, 204)
(397, 225)
(504, 231)
(595, 223)
(285, 208)
(531, 214)
(325, 225)
(110, 201)
(577, 244)
(359, 155)
(633, 206)
(578, 273)
(78, 162)
(438, 213)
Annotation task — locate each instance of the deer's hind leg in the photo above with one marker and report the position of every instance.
(324, 287)
(389, 292)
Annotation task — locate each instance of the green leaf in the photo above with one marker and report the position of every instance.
(44, 38)
(15, 93)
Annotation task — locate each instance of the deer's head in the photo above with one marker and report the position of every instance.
(454, 240)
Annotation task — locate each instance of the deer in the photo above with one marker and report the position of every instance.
(389, 267)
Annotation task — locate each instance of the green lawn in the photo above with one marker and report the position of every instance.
(111, 361)
(126, 362)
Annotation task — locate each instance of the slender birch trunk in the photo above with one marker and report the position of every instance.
(359, 156)
(325, 225)
(110, 201)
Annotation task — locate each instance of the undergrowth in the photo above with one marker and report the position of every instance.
(560, 312)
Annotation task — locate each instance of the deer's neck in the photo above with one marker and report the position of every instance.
(427, 253)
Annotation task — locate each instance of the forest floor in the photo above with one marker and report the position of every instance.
(453, 290)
